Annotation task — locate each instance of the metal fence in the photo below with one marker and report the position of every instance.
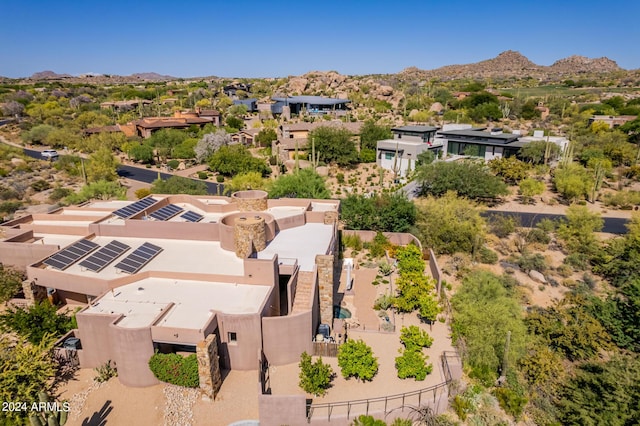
(384, 404)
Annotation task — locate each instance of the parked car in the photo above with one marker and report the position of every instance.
(49, 154)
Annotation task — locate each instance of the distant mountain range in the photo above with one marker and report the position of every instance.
(513, 64)
(507, 64)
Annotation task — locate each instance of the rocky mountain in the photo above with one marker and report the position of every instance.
(48, 75)
(152, 76)
(513, 64)
(582, 64)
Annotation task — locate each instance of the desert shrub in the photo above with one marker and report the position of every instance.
(487, 256)
(175, 369)
(528, 262)
(340, 178)
(383, 302)
(537, 235)
(413, 363)
(578, 261)
(173, 164)
(512, 397)
(36, 322)
(203, 175)
(356, 359)
(59, 193)
(142, 192)
(413, 337)
(352, 241)
(564, 271)
(622, 199)
(105, 372)
(219, 178)
(547, 225)
(40, 185)
(503, 225)
(315, 377)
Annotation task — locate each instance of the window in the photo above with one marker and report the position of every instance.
(388, 156)
(232, 337)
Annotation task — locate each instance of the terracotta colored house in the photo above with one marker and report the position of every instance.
(233, 279)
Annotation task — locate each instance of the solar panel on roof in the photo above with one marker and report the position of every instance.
(140, 257)
(135, 208)
(166, 212)
(190, 216)
(71, 254)
(107, 254)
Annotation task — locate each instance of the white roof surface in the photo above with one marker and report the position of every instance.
(280, 212)
(194, 301)
(61, 240)
(206, 257)
(302, 243)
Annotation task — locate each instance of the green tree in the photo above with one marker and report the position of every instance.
(59, 138)
(371, 133)
(334, 145)
(620, 262)
(26, 370)
(468, 179)
(36, 322)
(603, 393)
(534, 152)
(179, 185)
(231, 160)
(10, 282)
(429, 308)
(356, 359)
(305, 183)
(266, 136)
(413, 363)
(38, 134)
(414, 338)
(450, 224)
(484, 314)
(510, 169)
(100, 190)
(166, 140)
(141, 152)
(573, 182)
(315, 377)
(385, 213)
(102, 165)
(578, 231)
(244, 181)
(529, 188)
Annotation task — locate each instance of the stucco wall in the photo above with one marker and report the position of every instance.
(93, 331)
(242, 354)
(277, 410)
(131, 349)
(20, 255)
(197, 231)
(285, 338)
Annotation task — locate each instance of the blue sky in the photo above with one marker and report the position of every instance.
(280, 38)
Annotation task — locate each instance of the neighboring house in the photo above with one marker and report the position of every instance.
(538, 135)
(243, 277)
(104, 129)
(612, 121)
(251, 104)
(477, 142)
(231, 90)
(312, 105)
(245, 137)
(295, 135)
(400, 154)
(181, 120)
(124, 105)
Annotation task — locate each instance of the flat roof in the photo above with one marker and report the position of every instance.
(61, 240)
(480, 134)
(194, 302)
(315, 100)
(302, 243)
(188, 256)
(417, 129)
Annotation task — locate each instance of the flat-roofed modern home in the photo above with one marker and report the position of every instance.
(401, 153)
(233, 278)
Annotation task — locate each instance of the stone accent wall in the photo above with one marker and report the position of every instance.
(251, 204)
(249, 234)
(32, 292)
(324, 263)
(330, 217)
(209, 366)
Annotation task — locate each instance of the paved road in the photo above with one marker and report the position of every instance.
(143, 175)
(613, 225)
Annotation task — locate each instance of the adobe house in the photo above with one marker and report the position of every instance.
(145, 127)
(291, 135)
(232, 279)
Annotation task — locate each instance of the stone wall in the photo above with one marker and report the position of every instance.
(249, 235)
(33, 293)
(330, 217)
(251, 200)
(324, 264)
(209, 366)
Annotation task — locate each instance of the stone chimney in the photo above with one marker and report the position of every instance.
(249, 235)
